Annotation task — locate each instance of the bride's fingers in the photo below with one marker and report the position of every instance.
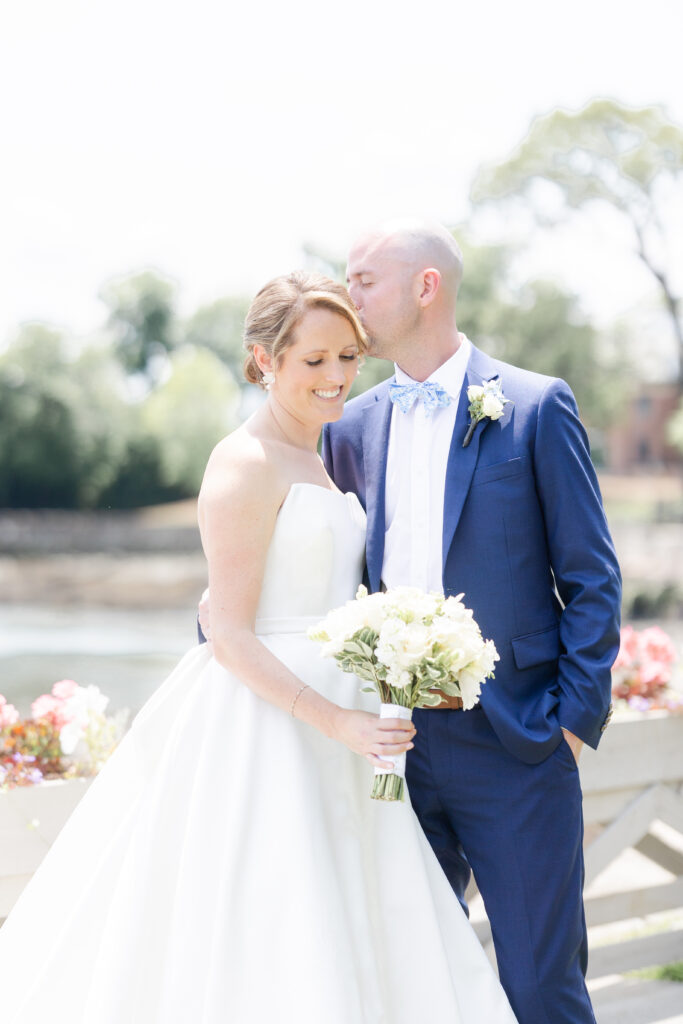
(395, 727)
(377, 762)
(382, 749)
(402, 724)
(396, 737)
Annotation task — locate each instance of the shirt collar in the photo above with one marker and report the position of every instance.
(450, 375)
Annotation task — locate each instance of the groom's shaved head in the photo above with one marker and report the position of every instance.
(417, 245)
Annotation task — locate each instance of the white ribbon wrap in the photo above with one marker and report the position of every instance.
(398, 760)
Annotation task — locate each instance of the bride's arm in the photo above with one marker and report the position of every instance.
(238, 506)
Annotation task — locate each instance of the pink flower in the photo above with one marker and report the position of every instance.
(8, 713)
(628, 651)
(52, 708)
(655, 644)
(64, 689)
(643, 665)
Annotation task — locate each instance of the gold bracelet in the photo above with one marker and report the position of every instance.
(298, 694)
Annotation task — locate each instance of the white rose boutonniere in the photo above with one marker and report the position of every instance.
(487, 402)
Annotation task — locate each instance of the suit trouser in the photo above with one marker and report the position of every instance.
(520, 828)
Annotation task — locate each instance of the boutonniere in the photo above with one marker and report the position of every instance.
(487, 402)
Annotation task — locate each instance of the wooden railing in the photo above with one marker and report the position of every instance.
(632, 786)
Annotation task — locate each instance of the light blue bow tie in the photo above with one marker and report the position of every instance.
(433, 395)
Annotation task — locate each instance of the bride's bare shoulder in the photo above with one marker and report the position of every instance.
(243, 469)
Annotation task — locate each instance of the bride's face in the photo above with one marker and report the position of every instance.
(316, 372)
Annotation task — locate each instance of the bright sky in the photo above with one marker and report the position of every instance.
(211, 139)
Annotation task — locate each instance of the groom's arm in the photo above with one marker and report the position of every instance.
(583, 561)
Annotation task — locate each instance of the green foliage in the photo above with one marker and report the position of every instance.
(538, 327)
(606, 153)
(189, 413)
(219, 327)
(667, 972)
(675, 430)
(141, 320)
(60, 441)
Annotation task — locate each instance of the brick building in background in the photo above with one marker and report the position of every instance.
(637, 441)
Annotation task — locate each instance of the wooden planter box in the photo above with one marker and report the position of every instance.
(30, 819)
(633, 780)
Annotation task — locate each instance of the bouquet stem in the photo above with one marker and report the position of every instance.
(389, 785)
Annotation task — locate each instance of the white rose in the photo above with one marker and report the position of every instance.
(400, 680)
(492, 407)
(474, 392)
(470, 688)
(411, 603)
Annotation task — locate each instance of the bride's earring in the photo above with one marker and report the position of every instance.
(268, 379)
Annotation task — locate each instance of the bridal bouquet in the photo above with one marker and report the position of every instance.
(413, 649)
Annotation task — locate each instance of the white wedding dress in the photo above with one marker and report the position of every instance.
(228, 866)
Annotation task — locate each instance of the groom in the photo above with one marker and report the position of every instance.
(513, 519)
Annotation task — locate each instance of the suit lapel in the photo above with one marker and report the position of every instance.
(462, 461)
(376, 422)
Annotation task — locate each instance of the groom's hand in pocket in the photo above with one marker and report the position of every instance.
(575, 744)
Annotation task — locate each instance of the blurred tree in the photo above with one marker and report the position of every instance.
(324, 262)
(606, 153)
(675, 430)
(188, 414)
(60, 422)
(142, 321)
(219, 327)
(539, 327)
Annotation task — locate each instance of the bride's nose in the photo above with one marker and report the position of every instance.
(335, 374)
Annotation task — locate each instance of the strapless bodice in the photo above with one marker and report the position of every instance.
(315, 560)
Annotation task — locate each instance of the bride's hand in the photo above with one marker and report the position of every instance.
(374, 737)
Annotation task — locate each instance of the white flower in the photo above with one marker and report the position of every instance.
(86, 706)
(70, 736)
(399, 680)
(85, 701)
(486, 403)
(409, 603)
(492, 407)
(339, 625)
(403, 645)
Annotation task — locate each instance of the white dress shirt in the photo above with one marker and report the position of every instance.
(416, 481)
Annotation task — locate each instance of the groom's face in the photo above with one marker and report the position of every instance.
(382, 289)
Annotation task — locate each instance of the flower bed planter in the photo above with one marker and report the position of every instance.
(634, 779)
(30, 820)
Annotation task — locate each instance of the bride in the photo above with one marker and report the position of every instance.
(228, 866)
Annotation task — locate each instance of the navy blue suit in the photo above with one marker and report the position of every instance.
(525, 538)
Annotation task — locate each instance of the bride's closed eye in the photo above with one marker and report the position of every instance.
(317, 362)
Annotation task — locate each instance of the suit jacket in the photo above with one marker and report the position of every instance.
(524, 537)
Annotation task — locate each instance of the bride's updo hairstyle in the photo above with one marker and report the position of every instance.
(282, 304)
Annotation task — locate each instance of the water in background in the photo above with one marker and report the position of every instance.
(127, 653)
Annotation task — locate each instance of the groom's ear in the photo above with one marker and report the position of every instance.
(430, 281)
